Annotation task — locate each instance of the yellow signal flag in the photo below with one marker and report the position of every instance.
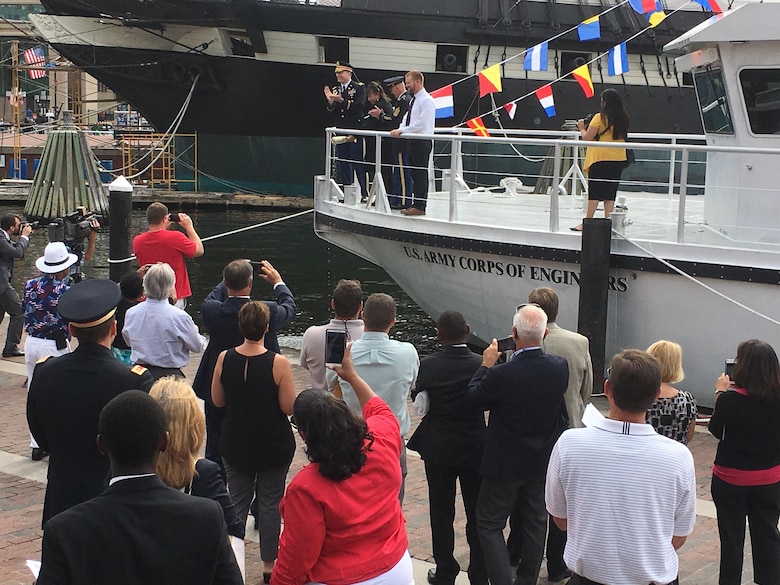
(490, 80)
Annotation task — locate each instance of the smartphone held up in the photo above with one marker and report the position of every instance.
(335, 344)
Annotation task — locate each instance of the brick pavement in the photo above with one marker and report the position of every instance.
(22, 489)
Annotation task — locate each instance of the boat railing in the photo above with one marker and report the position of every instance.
(461, 162)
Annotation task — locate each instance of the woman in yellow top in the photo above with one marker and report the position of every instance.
(605, 165)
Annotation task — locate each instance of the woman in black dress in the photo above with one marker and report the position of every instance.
(256, 388)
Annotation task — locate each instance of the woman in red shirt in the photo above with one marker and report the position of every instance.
(343, 523)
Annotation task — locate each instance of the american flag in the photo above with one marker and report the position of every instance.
(35, 56)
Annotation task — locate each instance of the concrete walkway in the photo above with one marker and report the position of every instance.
(22, 484)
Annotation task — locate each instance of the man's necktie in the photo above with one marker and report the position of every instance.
(409, 112)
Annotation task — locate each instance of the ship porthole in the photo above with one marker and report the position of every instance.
(450, 62)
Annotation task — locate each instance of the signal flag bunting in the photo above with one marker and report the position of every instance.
(478, 126)
(582, 75)
(617, 60)
(545, 96)
(536, 58)
(490, 80)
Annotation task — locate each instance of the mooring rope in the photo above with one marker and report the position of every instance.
(230, 233)
(696, 281)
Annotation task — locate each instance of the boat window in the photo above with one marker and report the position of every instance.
(713, 104)
(761, 92)
(332, 49)
(451, 58)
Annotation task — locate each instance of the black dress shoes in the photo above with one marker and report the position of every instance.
(434, 579)
(13, 352)
(559, 577)
(38, 454)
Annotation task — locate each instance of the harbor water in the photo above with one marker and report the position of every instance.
(309, 266)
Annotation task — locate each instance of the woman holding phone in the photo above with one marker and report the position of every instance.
(255, 385)
(746, 473)
(342, 516)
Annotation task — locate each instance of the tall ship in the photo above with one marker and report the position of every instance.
(247, 75)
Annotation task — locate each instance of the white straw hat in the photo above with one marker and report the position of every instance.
(55, 258)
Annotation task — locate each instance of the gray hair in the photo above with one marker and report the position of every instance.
(530, 322)
(159, 281)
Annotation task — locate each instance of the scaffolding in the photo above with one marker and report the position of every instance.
(140, 149)
(16, 97)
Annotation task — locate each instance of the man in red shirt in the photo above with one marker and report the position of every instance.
(159, 244)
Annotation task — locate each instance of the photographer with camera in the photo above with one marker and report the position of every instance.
(11, 225)
(220, 316)
(161, 244)
(72, 229)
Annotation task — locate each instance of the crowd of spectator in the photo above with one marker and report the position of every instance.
(577, 492)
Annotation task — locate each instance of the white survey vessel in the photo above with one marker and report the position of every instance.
(695, 253)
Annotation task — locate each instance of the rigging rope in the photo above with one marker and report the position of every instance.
(696, 281)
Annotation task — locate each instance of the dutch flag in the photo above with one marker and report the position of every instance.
(442, 98)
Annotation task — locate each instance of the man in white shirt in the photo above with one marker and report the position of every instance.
(625, 495)
(346, 302)
(390, 367)
(420, 119)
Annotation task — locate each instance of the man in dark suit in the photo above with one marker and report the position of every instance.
(527, 415)
(11, 225)
(450, 440)
(575, 348)
(139, 530)
(220, 316)
(347, 103)
(68, 392)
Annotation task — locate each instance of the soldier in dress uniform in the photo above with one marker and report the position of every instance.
(347, 102)
(379, 116)
(402, 177)
(68, 392)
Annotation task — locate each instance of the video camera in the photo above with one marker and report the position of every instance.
(74, 227)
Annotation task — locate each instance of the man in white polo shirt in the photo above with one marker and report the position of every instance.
(626, 495)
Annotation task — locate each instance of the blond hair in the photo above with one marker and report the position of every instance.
(669, 356)
(416, 75)
(186, 430)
